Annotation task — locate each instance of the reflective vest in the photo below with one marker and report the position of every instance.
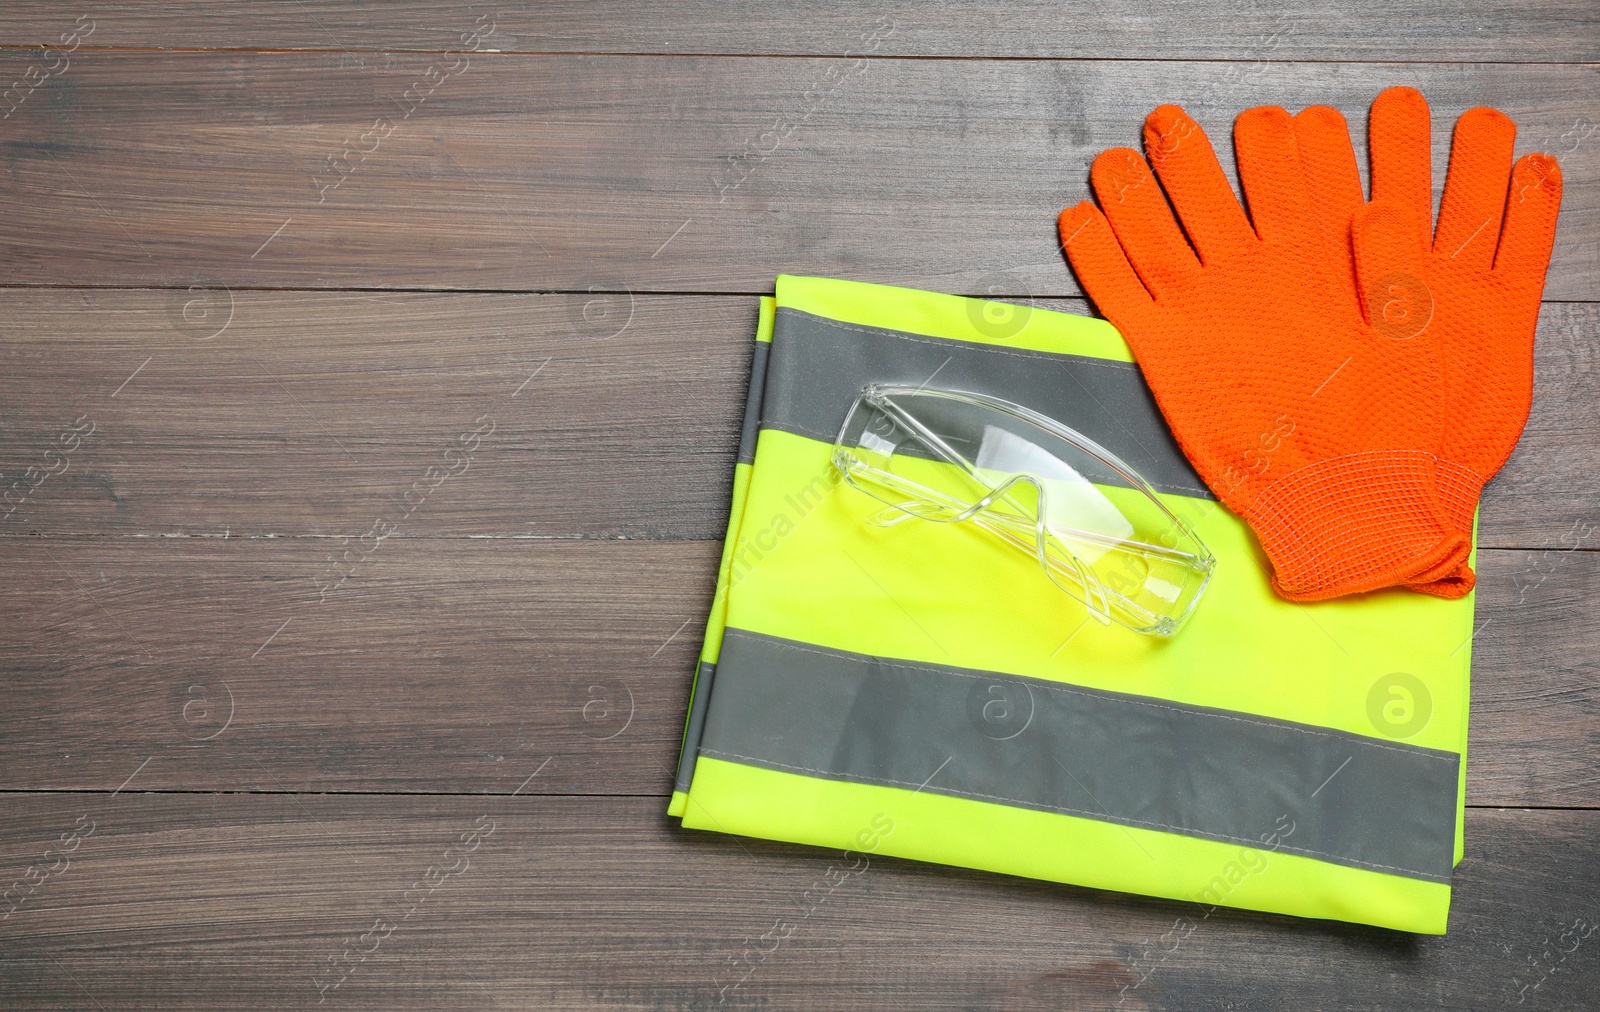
(918, 692)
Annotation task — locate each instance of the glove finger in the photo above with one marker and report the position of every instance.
(1390, 271)
(1102, 267)
(1475, 187)
(1333, 181)
(1530, 228)
(1274, 184)
(1141, 219)
(1402, 165)
(1188, 169)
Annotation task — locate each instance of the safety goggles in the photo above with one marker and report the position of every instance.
(1031, 483)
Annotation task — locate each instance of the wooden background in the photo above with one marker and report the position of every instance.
(565, 241)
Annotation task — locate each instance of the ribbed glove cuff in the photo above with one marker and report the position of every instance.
(1355, 523)
(1459, 487)
(1454, 585)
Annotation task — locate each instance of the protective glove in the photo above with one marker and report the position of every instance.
(1312, 423)
(1474, 285)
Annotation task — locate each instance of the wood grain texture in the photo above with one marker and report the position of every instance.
(437, 665)
(1535, 722)
(1540, 31)
(447, 665)
(313, 413)
(199, 263)
(702, 174)
(237, 901)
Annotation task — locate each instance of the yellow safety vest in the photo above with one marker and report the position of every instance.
(917, 692)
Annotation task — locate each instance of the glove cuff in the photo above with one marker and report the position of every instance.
(1453, 586)
(1353, 524)
(1459, 487)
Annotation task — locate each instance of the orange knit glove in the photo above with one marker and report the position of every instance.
(1474, 284)
(1316, 427)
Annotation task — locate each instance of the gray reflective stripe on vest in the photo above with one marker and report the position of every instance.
(752, 404)
(819, 366)
(700, 692)
(703, 677)
(1030, 743)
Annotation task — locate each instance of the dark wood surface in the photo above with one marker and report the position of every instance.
(204, 900)
(639, 173)
(1538, 31)
(553, 245)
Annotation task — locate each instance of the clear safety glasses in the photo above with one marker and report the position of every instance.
(1026, 480)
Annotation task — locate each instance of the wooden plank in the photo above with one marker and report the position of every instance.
(1535, 657)
(241, 900)
(427, 664)
(1543, 31)
(702, 174)
(449, 664)
(313, 413)
(1551, 462)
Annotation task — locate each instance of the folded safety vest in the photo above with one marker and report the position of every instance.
(917, 691)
